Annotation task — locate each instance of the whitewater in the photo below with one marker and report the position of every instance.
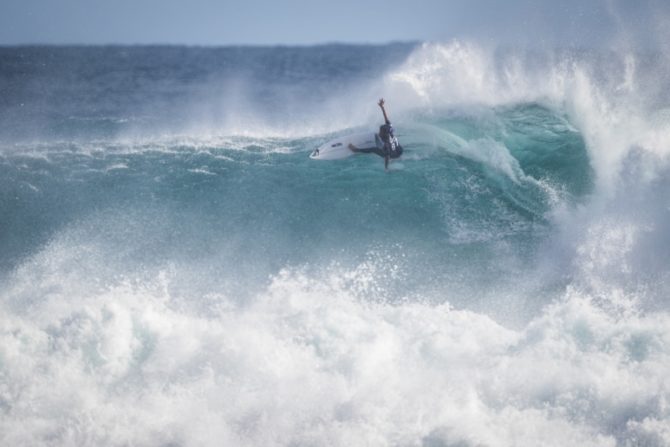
(176, 271)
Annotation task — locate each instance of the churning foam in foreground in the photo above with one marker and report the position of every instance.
(310, 362)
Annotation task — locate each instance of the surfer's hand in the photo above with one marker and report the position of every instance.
(381, 103)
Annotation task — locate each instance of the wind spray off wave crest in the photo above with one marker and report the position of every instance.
(465, 73)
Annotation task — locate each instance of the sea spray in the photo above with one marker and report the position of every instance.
(175, 270)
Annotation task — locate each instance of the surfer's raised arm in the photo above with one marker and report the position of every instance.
(381, 105)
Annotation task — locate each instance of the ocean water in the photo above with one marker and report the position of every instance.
(176, 271)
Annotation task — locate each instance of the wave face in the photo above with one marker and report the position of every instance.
(175, 270)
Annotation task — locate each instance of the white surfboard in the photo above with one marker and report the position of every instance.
(339, 147)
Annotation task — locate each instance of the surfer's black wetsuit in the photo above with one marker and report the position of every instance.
(388, 140)
(387, 143)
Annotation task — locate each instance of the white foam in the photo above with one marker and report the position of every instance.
(116, 167)
(310, 361)
(202, 170)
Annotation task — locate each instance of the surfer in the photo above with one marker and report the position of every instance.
(387, 144)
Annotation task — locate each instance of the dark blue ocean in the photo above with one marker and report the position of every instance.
(176, 271)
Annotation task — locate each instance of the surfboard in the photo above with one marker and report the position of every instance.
(338, 148)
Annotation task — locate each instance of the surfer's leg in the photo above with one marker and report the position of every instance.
(373, 150)
(370, 150)
(380, 152)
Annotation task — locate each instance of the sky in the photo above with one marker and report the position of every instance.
(306, 22)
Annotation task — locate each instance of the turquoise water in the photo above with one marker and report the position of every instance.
(175, 270)
(251, 206)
